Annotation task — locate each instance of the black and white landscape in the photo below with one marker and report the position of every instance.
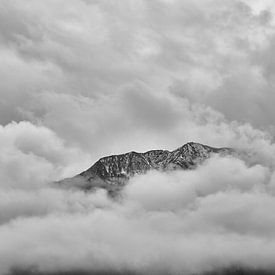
(137, 137)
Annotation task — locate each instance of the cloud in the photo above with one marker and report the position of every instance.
(183, 221)
(107, 76)
(85, 79)
(181, 188)
(218, 54)
(34, 155)
(120, 123)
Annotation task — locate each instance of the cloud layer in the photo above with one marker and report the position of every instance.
(217, 216)
(95, 71)
(83, 79)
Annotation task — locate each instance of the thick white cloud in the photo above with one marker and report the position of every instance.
(212, 52)
(187, 221)
(82, 79)
(34, 155)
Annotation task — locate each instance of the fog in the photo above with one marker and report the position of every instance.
(181, 222)
(83, 79)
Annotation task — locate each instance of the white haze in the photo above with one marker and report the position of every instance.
(217, 216)
(83, 79)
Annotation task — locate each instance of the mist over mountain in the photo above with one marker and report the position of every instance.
(86, 82)
(113, 172)
(195, 210)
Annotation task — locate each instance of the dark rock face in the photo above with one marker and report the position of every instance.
(112, 171)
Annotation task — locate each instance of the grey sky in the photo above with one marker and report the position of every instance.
(85, 69)
(83, 79)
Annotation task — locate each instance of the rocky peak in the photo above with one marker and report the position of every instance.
(117, 169)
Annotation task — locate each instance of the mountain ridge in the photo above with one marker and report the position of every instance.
(114, 171)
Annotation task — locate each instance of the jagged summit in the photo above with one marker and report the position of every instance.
(115, 170)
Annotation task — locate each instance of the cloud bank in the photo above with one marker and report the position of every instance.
(182, 222)
(84, 79)
(104, 75)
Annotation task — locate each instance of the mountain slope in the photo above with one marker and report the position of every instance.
(114, 171)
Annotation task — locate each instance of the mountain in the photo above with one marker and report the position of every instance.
(113, 172)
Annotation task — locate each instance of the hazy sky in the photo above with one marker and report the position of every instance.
(110, 76)
(81, 79)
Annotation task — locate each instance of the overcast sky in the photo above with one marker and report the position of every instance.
(112, 76)
(82, 79)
